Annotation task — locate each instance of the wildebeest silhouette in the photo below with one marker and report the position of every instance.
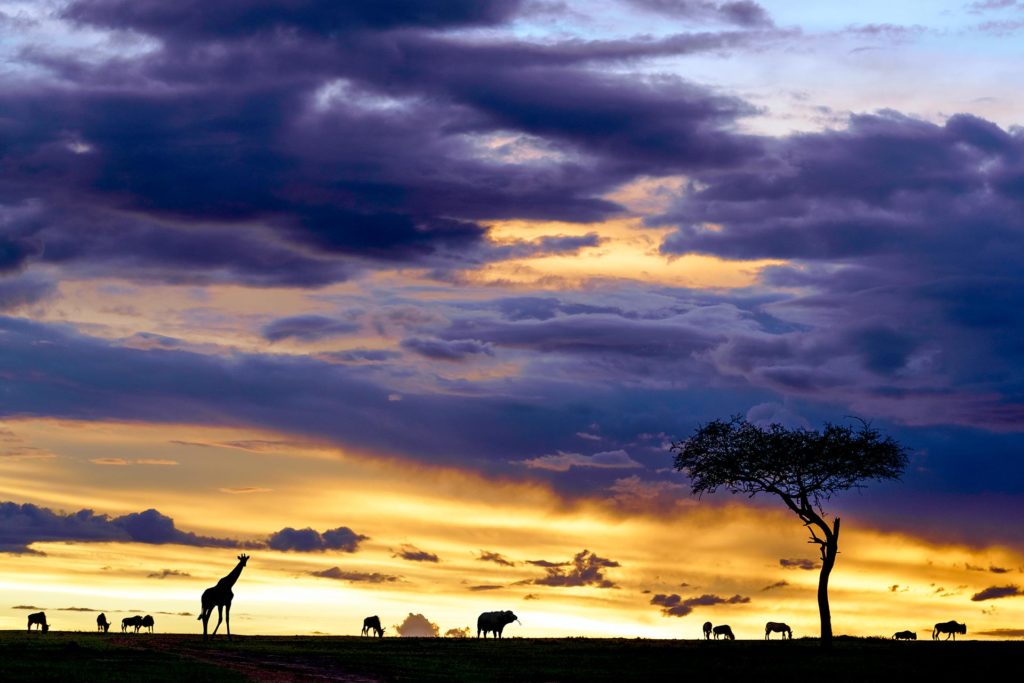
(147, 622)
(707, 630)
(494, 622)
(220, 596)
(38, 619)
(950, 628)
(101, 623)
(129, 622)
(778, 627)
(904, 635)
(371, 626)
(723, 631)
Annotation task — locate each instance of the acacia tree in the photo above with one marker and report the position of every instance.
(802, 467)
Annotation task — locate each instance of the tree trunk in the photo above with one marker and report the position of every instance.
(830, 550)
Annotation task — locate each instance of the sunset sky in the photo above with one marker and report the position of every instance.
(408, 299)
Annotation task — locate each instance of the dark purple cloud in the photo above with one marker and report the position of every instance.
(25, 524)
(216, 157)
(903, 239)
(585, 569)
(339, 574)
(307, 328)
(740, 12)
(799, 563)
(236, 18)
(497, 558)
(452, 350)
(674, 605)
(997, 592)
(310, 540)
(414, 554)
(164, 573)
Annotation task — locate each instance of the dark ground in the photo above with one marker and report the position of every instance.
(153, 658)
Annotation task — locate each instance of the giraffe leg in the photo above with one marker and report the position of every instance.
(227, 618)
(220, 618)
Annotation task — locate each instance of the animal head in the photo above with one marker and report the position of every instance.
(46, 627)
(242, 559)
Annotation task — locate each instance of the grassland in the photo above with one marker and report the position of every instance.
(171, 657)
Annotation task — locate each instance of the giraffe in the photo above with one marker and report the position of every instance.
(220, 596)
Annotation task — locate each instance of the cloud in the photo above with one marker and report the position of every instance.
(675, 606)
(799, 563)
(414, 554)
(340, 574)
(741, 12)
(417, 626)
(450, 350)
(997, 592)
(585, 569)
(307, 328)
(485, 587)
(497, 558)
(164, 573)
(22, 525)
(239, 490)
(310, 540)
(237, 18)
(777, 584)
(563, 462)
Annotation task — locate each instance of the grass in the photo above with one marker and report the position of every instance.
(163, 657)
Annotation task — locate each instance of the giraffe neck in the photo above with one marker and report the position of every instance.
(229, 580)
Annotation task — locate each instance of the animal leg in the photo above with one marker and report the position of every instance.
(227, 618)
(220, 618)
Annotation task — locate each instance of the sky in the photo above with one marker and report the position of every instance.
(408, 301)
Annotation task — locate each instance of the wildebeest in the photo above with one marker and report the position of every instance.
(723, 631)
(135, 621)
(101, 623)
(950, 628)
(904, 635)
(707, 630)
(494, 622)
(147, 622)
(39, 619)
(777, 627)
(371, 625)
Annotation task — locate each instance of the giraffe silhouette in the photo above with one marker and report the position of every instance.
(220, 596)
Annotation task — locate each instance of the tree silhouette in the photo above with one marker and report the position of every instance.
(802, 467)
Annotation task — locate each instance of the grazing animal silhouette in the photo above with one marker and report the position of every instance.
(372, 625)
(723, 631)
(950, 628)
(135, 622)
(904, 635)
(494, 622)
(39, 619)
(707, 630)
(778, 627)
(101, 623)
(147, 622)
(220, 596)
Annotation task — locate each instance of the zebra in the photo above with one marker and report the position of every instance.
(950, 628)
(371, 626)
(147, 622)
(102, 624)
(777, 627)
(707, 630)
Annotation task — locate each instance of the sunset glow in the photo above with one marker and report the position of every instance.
(408, 301)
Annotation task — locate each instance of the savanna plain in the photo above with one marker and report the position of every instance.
(79, 656)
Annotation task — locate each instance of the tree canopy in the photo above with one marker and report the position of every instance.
(794, 464)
